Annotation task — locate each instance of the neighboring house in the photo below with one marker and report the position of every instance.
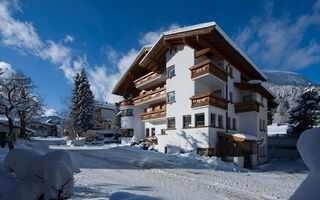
(105, 116)
(4, 129)
(283, 146)
(43, 128)
(194, 90)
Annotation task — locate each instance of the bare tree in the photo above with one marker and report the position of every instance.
(11, 87)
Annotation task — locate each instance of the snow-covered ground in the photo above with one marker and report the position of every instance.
(123, 172)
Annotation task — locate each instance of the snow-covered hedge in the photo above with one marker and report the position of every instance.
(50, 174)
(309, 149)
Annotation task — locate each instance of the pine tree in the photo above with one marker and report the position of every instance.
(74, 110)
(307, 113)
(85, 103)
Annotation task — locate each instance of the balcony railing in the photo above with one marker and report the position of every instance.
(150, 95)
(126, 102)
(154, 114)
(146, 78)
(208, 98)
(247, 106)
(207, 67)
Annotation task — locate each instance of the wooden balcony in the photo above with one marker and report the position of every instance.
(247, 106)
(150, 95)
(208, 67)
(125, 102)
(149, 80)
(154, 114)
(207, 99)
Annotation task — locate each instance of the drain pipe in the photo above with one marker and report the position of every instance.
(258, 144)
(227, 91)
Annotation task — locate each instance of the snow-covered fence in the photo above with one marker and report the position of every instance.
(50, 175)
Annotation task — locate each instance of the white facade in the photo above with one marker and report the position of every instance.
(250, 123)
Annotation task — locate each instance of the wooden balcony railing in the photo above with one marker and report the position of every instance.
(126, 102)
(154, 114)
(206, 67)
(208, 98)
(146, 78)
(149, 95)
(247, 106)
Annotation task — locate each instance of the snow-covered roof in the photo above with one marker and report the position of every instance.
(241, 136)
(201, 26)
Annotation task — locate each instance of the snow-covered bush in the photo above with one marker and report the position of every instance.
(309, 149)
(50, 174)
(146, 145)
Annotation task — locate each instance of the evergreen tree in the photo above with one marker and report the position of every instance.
(307, 113)
(85, 103)
(74, 110)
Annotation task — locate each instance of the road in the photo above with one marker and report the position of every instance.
(111, 172)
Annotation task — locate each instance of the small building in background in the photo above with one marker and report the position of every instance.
(44, 129)
(105, 116)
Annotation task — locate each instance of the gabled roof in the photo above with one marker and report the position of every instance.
(206, 35)
(126, 82)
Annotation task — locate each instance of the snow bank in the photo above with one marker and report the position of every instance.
(308, 146)
(191, 160)
(130, 196)
(50, 174)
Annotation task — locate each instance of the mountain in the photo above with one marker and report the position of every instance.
(287, 87)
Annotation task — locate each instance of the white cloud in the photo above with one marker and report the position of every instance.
(277, 42)
(68, 38)
(49, 112)
(5, 69)
(103, 82)
(22, 36)
(151, 37)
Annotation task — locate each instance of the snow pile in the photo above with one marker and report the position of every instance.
(130, 196)
(191, 160)
(277, 130)
(50, 174)
(308, 146)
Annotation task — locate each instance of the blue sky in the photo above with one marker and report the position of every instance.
(51, 40)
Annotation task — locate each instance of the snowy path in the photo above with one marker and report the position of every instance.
(106, 171)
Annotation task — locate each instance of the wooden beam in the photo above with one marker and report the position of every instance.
(187, 41)
(155, 64)
(206, 44)
(168, 45)
(201, 52)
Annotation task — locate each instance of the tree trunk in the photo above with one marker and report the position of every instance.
(22, 117)
(10, 137)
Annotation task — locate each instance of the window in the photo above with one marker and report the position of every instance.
(154, 108)
(123, 112)
(130, 132)
(171, 123)
(261, 126)
(171, 72)
(199, 119)
(171, 97)
(217, 92)
(186, 121)
(229, 123)
(162, 106)
(153, 132)
(231, 97)
(247, 98)
(147, 132)
(213, 120)
(234, 124)
(163, 131)
(264, 125)
(129, 112)
(262, 100)
(220, 122)
(231, 72)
